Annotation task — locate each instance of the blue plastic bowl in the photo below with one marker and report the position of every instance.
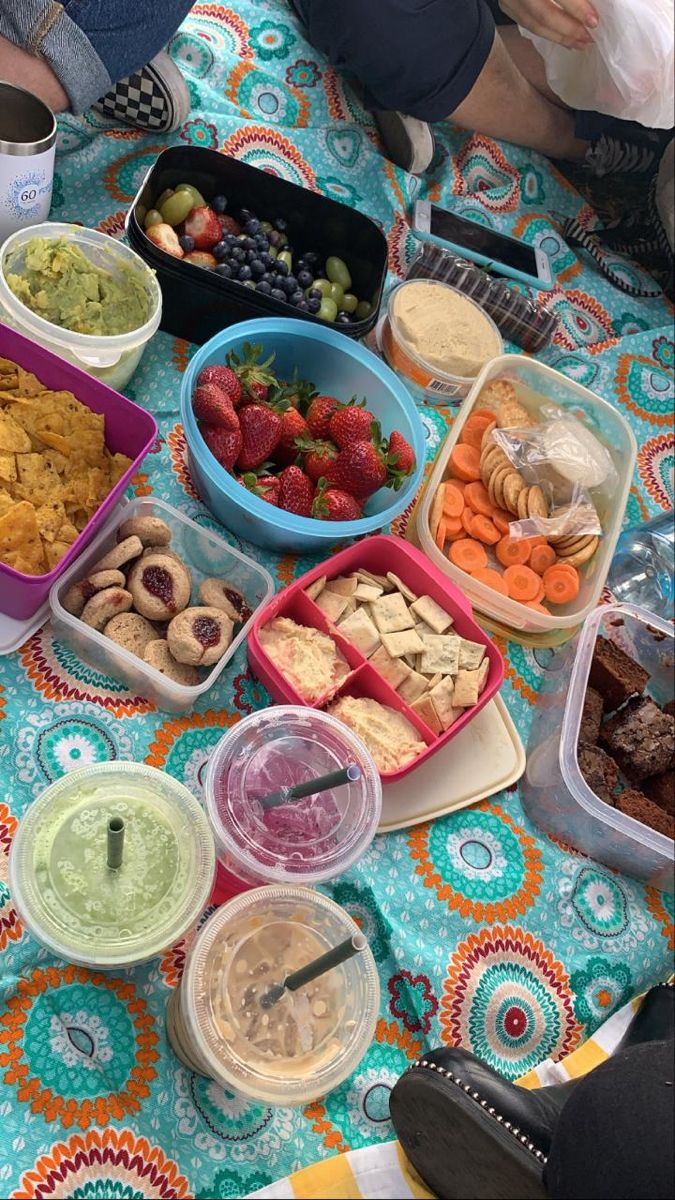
(336, 366)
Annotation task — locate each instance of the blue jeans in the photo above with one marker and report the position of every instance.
(91, 44)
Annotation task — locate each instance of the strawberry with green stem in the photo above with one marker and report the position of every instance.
(333, 504)
(317, 456)
(255, 377)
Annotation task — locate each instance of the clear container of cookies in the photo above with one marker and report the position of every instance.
(206, 557)
(555, 794)
(536, 386)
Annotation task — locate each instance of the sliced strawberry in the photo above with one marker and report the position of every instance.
(359, 469)
(228, 224)
(225, 379)
(319, 414)
(166, 238)
(317, 456)
(224, 444)
(351, 424)
(211, 405)
(296, 492)
(332, 504)
(260, 430)
(203, 226)
(201, 258)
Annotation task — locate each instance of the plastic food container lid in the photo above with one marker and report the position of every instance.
(74, 903)
(93, 350)
(204, 979)
(306, 840)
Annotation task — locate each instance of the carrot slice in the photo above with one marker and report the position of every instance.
(476, 495)
(456, 483)
(501, 519)
(453, 503)
(491, 578)
(468, 554)
(483, 529)
(559, 584)
(522, 582)
(453, 527)
(465, 462)
(467, 517)
(541, 558)
(565, 566)
(473, 429)
(541, 594)
(482, 414)
(537, 607)
(512, 552)
(440, 533)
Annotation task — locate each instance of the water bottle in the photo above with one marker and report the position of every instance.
(642, 567)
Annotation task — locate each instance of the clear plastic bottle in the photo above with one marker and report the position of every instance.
(642, 570)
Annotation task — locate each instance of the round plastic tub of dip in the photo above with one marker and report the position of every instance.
(468, 335)
(112, 358)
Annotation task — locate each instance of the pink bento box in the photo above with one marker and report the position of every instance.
(129, 430)
(378, 554)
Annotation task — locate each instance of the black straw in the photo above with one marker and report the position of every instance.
(348, 774)
(312, 970)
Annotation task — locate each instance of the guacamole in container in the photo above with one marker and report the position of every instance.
(83, 295)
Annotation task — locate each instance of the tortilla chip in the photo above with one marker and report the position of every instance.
(54, 552)
(6, 501)
(8, 468)
(39, 481)
(13, 438)
(56, 441)
(50, 519)
(20, 537)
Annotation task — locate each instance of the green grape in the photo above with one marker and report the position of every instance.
(336, 293)
(285, 256)
(328, 310)
(323, 286)
(363, 310)
(164, 196)
(337, 272)
(153, 217)
(199, 200)
(176, 208)
(349, 302)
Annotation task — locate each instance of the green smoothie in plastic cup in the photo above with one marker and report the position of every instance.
(112, 864)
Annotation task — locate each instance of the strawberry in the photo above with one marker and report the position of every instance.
(255, 377)
(351, 424)
(401, 453)
(296, 492)
(317, 456)
(332, 504)
(211, 405)
(225, 379)
(260, 430)
(224, 444)
(293, 426)
(228, 224)
(201, 258)
(360, 469)
(265, 486)
(319, 414)
(203, 225)
(166, 238)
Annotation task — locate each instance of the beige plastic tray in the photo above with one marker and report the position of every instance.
(485, 757)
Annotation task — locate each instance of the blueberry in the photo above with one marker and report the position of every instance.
(251, 256)
(275, 238)
(264, 287)
(262, 241)
(277, 294)
(252, 227)
(268, 261)
(245, 215)
(297, 298)
(187, 243)
(302, 305)
(314, 303)
(224, 270)
(257, 268)
(220, 250)
(249, 243)
(288, 285)
(314, 294)
(311, 258)
(280, 225)
(219, 204)
(343, 318)
(269, 277)
(305, 278)
(244, 273)
(281, 268)
(238, 254)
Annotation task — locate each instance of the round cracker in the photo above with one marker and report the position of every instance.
(522, 504)
(494, 486)
(497, 391)
(536, 502)
(581, 556)
(574, 542)
(513, 486)
(486, 439)
(511, 414)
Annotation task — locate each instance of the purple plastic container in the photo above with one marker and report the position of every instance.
(129, 430)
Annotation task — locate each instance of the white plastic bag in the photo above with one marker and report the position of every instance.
(628, 72)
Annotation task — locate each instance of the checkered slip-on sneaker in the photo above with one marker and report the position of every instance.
(409, 142)
(156, 98)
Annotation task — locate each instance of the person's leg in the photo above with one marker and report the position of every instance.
(27, 71)
(529, 62)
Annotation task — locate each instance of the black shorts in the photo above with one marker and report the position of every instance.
(420, 57)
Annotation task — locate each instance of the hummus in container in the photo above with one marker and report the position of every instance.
(437, 338)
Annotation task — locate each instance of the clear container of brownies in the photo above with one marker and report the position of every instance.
(600, 769)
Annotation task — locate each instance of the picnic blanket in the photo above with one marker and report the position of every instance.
(486, 933)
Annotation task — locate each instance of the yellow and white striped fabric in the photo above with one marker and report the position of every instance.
(382, 1172)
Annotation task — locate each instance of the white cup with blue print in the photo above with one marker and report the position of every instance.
(27, 148)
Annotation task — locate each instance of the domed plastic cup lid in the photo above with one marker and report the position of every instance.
(308, 1042)
(112, 864)
(310, 839)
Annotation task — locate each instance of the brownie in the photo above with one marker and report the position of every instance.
(591, 717)
(615, 675)
(661, 789)
(599, 770)
(640, 738)
(634, 804)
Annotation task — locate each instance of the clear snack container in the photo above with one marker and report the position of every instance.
(75, 902)
(111, 359)
(554, 792)
(536, 384)
(207, 555)
(304, 841)
(209, 1037)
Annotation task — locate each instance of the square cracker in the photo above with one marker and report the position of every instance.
(440, 654)
(402, 587)
(368, 592)
(344, 585)
(471, 654)
(483, 672)
(360, 631)
(370, 577)
(424, 707)
(391, 614)
(331, 604)
(406, 641)
(442, 695)
(426, 609)
(466, 689)
(412, 687)
(393, 670)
